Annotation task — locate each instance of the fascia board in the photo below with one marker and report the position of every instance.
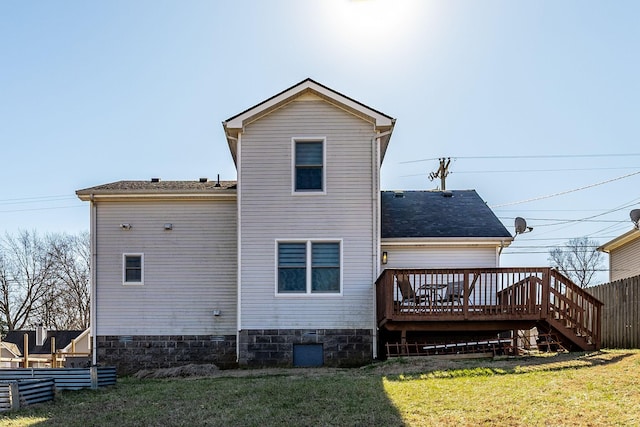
(237, 123)
(156, 196)
(447, 241)
(620, 241)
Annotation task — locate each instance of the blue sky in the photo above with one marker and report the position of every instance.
(95, 92)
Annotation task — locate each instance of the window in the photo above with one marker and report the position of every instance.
(132, 269)
(309, 267)
(309, 165)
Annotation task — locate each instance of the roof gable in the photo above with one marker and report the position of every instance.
(438, 214)
(310, 89)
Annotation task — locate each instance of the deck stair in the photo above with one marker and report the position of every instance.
(548, 341)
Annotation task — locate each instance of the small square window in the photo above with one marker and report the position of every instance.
(132, 269)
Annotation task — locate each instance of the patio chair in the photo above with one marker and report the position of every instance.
(406, 290)
(454, 293)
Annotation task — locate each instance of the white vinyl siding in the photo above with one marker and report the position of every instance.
(189, 271)
(270, 212)
(623, 261)
(440, 257)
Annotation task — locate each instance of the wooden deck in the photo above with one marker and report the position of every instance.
(488, 300)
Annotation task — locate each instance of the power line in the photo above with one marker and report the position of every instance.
(42, 209)
(540, 156)
(567, 191)
(528, 170)
(40, 199)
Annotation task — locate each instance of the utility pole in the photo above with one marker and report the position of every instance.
(442, 172)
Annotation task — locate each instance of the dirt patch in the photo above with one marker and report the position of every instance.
(396, 366)
(192, 370)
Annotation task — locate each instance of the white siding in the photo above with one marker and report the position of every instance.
(625, 261)
(188, 271)
(440, 257)
(424, 257)
(269, 212)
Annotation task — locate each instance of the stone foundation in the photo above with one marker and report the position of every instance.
(274, 347)
(129, 354)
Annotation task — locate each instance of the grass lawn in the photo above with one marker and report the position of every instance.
(577, 389)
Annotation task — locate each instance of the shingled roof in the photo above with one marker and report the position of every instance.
(432, 214)
(156, 186)
(63, 339)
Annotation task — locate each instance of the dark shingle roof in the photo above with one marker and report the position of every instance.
(160, 187)
(63, 339)
(428, 214)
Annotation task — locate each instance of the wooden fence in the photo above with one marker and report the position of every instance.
(621, 312)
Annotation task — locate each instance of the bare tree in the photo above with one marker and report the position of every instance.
(579, 260)
(69, 309)
(44, 280)
(25, 273)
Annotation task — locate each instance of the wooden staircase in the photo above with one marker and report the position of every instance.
(573, 315)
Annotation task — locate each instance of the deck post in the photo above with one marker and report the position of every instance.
(465, 295)
(546, 292)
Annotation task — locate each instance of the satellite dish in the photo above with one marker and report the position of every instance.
(521, 226)
(635, 217)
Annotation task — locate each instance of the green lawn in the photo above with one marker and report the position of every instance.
(576, 389)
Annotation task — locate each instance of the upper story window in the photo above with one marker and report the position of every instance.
(309, 267)
(309, 165)
(133, 269)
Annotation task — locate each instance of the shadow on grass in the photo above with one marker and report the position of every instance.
(332, 399)
(490, 367)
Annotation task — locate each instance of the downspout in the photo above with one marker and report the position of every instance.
(375, 219)
(94, 274)
(239, 244)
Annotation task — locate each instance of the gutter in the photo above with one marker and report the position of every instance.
(375, 224)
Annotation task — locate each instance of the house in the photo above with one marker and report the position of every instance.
(38, 345)
(624, 252)
(9, 355)
(285, 265)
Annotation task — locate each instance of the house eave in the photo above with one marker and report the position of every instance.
(447, 241)
(155, 196)
(620, 241)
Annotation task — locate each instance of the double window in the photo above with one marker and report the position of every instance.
(309, 267)
(309, 160)
(133, 269)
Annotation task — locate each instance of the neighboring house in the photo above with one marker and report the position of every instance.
(279, 267)
(41, 343)
(9, 355)
(624, 252)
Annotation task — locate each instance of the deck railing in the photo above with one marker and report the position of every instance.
(488, 294)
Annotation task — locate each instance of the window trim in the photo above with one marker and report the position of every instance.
(308, 266)
(124, 268)
(294, 141)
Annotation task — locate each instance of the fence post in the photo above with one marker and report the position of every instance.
(93, 371)
(26, 351)
(14, 395)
